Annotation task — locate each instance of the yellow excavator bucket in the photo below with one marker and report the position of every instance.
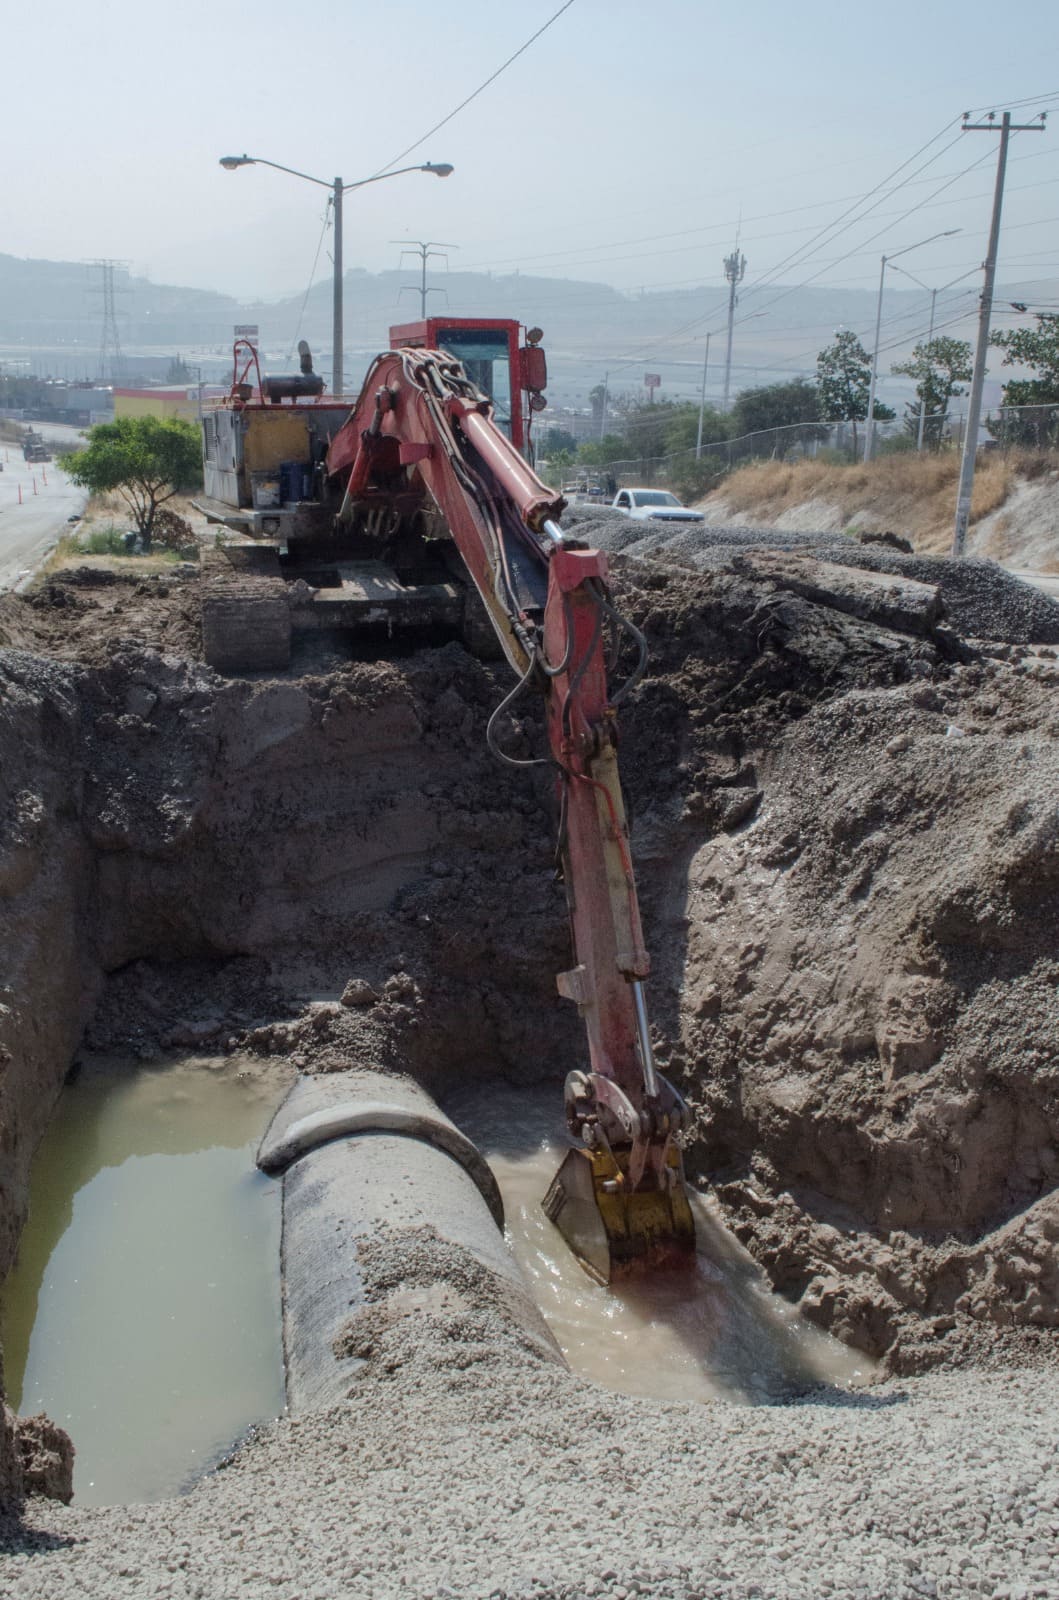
(615, 1232)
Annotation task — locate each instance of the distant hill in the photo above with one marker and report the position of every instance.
(590, 328)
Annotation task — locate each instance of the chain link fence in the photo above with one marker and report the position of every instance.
(692, 471)
(1024, 427)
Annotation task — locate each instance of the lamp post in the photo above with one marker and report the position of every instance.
(869, 426)
(933, 293)
(705, 369)
(440, 169)
(702, 396)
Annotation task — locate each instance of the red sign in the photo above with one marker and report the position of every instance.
(651, 380)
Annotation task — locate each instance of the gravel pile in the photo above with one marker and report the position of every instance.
(462, 1467)
(982, 601)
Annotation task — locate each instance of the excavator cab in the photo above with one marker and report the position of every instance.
(511, 375)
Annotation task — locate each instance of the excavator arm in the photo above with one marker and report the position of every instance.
(619, 1197)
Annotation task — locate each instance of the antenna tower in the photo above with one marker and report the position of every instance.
(110, 357)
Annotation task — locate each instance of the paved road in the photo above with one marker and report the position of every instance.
(28, 531)
(1047, 582)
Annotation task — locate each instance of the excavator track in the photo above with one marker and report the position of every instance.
(246, 621)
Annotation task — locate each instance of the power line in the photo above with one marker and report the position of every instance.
(473, 96)
(718, 229)
(871, 238)
(805, 251)
(312, 280)
(848, 213)
(1014, 105)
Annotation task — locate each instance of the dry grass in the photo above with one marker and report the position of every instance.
(104, 515)
(909, 494)
(68, 553)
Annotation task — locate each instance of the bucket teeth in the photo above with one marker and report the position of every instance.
(615, 1233)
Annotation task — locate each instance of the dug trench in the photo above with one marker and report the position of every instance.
(847, 845)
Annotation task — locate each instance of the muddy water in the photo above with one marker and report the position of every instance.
(716, 1333)
(143, 1314)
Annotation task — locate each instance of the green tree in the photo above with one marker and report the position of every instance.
(940, 368)
(794, 406)
(601, 452)
(146, 460)
(558, 465)
(843, 373)
(178, 370)
(558, 439)
(1038, 349)
(26, 394)
(681, 431)
(597, 399)
(666, 428)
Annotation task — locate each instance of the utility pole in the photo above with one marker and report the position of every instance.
(869, 425)
(923, 398)
(735, 272)
(338, 189)
(424, 249)
(974, 403)
(702, 397)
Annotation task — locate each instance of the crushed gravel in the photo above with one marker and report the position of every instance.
(982, 600)
(463, 1467)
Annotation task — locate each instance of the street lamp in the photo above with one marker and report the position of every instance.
(869, 426)
(440, 169)
(933, 293)
(705, 369)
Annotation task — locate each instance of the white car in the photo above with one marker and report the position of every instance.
(654, 505)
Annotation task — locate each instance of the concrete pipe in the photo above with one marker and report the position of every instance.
(365, 1158)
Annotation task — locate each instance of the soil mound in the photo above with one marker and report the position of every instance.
(981, 600)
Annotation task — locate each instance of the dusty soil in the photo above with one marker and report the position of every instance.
(848, 849)
(1014, 509)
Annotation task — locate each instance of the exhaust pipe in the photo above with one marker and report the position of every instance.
(369, 1162)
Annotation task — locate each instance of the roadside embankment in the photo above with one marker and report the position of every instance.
(1014, 511)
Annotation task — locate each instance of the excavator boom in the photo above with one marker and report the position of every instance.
(619, 1199)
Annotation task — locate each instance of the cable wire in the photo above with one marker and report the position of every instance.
(312, 280)
(491, 79)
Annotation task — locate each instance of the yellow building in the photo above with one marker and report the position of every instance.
(173, 400)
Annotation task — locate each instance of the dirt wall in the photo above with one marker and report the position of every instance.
(185, 860)
(846, 837)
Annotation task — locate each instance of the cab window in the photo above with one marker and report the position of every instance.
(483, 353)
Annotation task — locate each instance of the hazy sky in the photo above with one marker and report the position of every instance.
(622, 147)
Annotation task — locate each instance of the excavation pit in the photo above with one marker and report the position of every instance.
(715, 1333)
(143, 1313)
(845, 846)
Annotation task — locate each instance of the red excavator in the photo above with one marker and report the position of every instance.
(374, 511)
